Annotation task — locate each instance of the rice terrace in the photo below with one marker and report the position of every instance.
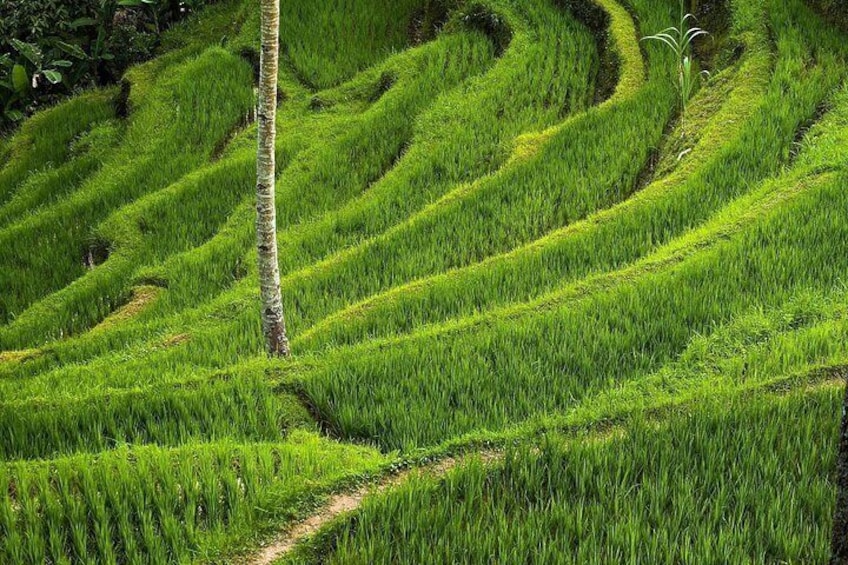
(423, 281)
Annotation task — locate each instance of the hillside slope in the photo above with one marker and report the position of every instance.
(496, 230)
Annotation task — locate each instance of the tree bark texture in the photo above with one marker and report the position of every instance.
(273, 320)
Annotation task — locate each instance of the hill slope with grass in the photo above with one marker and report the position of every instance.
(497, 232)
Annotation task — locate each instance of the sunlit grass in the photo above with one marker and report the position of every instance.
(743, 482)
(151, 504)
(492, 230)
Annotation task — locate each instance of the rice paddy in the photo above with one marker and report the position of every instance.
(497, 230)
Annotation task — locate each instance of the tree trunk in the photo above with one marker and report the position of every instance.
(273, 321)
(839, 554)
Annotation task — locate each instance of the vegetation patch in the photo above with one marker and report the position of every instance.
(499, 231)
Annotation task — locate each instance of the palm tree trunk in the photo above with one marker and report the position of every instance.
(273, 321)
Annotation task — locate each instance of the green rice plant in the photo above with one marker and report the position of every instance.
(329, 46)
(227, 333)
(137, 167)
(527, 374)
(679, 40)
(834, 10)
(587, 245)
(47, 185)
(745, 480)
(479, 246)
(518, 114)
(216, 348)
(618, 235)
(139, 501)
(245, 409)
(327, 173)
(501, 185)
(77, 305)
(45, 139)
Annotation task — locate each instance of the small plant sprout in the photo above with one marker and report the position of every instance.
(679, 39)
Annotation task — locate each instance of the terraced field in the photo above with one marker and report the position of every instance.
(498, 235)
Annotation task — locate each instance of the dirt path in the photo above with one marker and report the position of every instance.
(346, 502)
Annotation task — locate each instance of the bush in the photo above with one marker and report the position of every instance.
(34, 21)
(49, 48)
(129, 42)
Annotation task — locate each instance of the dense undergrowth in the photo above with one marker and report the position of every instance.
(494, 227)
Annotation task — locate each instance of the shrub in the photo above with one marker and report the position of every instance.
(92, 41)
(36, 20)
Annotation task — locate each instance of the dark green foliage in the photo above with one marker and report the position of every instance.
(36, 20)
(79, 43)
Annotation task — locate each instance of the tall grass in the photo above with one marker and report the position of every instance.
(374, 140)
(244, 409)
(163, 505)
(544, 356)
(494, 232)
(416, 175)
(44, 140)
(44, 187)
(500, 369)
(174, 133)
(729, 159)
(744, 482)
(325, 47)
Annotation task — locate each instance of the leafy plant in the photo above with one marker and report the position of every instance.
(41, 67)
(45, 43)
(156, 9)
(36, 20)
(96, 28)
(12, 80)
(679, 39)
(162, 12)
(30, 71)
